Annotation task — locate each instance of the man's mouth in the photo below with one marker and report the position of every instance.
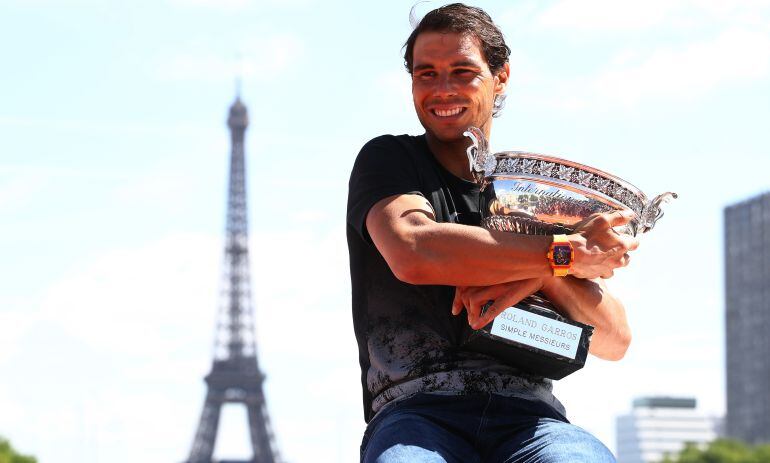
(449, 112)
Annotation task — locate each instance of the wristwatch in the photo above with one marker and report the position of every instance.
(561, 255)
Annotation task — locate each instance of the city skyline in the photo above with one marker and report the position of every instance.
(113, 151)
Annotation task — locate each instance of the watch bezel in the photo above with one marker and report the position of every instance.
(562, 248)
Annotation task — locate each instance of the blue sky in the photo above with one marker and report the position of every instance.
(113, 162)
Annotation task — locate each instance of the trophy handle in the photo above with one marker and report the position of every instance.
(652, 212)
(480, 161)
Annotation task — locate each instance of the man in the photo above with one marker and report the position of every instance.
(418, 258)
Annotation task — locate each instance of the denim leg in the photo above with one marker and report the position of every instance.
(553, 441)
(418, 432)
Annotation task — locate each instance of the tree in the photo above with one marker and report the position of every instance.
(722, 451)
(9, 455)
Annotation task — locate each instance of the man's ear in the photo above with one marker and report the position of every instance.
(502, 78)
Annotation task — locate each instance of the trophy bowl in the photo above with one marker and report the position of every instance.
(535, 194)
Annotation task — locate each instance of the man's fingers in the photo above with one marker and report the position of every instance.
(613, 244)
(457, 303)
(625, 260)
(492, 311)
(620, 217)
(607, 220)
(523, 289)
(627, 242)
(475, 297)
(632, 242)
(473, 308)
(583, 223)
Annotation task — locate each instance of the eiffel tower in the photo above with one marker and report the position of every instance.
(235, 376)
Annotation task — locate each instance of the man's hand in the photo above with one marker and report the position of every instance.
(504, 295)
(599, 249)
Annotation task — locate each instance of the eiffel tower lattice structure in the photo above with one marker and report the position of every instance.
(235, 376)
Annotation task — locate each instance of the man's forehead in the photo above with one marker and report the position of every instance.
(446, 46)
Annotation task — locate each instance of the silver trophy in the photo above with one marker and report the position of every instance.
(535, 194)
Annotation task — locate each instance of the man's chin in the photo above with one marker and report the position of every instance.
(445, 135)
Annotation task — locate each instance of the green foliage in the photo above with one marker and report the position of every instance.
(722, 451)
(9, 455)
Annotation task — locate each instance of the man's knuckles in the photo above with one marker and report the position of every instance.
(602, 222)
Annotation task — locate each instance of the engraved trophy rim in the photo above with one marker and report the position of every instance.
(606, 188)
(633, 189)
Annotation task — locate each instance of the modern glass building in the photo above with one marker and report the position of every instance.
(658, 426)
(747, 319)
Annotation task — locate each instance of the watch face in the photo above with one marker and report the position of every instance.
(562, 255)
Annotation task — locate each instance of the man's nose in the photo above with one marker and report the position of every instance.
(445, 86)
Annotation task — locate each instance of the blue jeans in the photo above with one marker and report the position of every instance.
(433, 428)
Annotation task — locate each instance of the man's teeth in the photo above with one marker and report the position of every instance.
(448, 112)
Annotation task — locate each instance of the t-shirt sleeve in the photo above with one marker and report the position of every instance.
(383, 168)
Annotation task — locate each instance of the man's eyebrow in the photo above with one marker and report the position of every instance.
(456, 64)
(466, 63)
(420, 67)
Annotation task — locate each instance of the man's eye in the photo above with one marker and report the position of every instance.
(426, 75)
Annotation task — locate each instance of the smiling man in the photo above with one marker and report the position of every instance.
(418, 259)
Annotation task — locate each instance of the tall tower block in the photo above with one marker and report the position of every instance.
(747, 319)
(235, 376)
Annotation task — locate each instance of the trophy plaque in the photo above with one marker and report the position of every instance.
(536, 194)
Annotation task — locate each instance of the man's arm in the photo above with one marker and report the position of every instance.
(421, 251)
(589, 301)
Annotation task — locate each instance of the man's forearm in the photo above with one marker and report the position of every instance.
(420, 250)
(588, 301)
(460, 255)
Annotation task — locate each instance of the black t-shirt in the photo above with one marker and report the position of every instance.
(408, 339)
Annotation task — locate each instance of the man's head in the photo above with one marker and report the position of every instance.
(458, 60)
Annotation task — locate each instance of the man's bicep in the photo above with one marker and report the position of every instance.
(390, 220)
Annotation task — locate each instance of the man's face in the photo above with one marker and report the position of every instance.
(452, 85)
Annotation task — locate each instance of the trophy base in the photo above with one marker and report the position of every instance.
(535, 339)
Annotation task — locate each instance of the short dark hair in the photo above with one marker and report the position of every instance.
(462, 19)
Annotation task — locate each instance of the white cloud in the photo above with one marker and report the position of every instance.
(236, 5)
(605, 14)
(17, 185)
(136, 303)
(116, 127)
(394, 85)
(524, 71)
(661, 50)
(392, 96)
(600, 16)
(690, 71)
(675, 73)
(173, 187)
(261, 58)
(23, 186)
(222, 4)
(14, 325)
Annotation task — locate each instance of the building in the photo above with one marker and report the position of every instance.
(747, 319)
(235, 375)
(662, 425)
